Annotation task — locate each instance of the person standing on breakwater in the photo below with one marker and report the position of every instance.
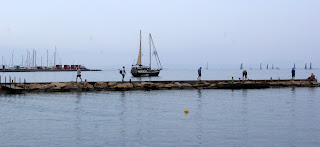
(244, 75)
(232, 80)
(293, 72)
(123, 73)
(78, 74)
(199, 73)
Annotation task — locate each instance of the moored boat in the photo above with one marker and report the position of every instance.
(139, 70)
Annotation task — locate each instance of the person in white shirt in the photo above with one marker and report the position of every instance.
(78, 74)
(123, 72)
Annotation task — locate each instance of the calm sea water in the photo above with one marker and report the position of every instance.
(263, 117)
(167, 74)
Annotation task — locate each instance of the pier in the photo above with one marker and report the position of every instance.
(18, 88)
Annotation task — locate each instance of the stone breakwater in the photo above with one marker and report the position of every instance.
(151, 85)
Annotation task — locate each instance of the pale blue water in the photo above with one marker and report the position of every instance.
(263, 117)
(258, 117)
(165, 75)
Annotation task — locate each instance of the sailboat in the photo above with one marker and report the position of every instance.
(260, 66)
(139, 70)
(305, 67)
(310, 66)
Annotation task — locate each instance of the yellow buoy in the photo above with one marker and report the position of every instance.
(186, 111)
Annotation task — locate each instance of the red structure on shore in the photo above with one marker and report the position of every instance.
(58, 66)
(66, 67)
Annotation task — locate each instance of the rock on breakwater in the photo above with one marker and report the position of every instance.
(152, 85)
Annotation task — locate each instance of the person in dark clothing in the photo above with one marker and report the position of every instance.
(293, 72)
(199, 73)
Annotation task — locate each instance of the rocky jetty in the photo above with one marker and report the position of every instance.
(151, 85)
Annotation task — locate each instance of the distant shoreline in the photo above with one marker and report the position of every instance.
(45, 70)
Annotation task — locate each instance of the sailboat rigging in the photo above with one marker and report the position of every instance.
(139, 70)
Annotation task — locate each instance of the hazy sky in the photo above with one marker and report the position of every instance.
(186, 32)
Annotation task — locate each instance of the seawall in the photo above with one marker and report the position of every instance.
(151, 85)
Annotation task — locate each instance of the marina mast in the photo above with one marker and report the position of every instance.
(150, 50)
(305, 67)
(55, 54)
(260, 66)
(47, 59)
(310, 66)
(12, 58)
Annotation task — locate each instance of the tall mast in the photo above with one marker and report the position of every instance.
(12, 58)
(310, 66)
(139, 56)
(305, 67)
(28, 53)
(155, 53)
(29, 58)
(47, 59)
(27, 61)
(32, 57)
(150, 49)
(55, 54)
(35, 58)
(260, 66)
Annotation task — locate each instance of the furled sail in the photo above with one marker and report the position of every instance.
(139, 56)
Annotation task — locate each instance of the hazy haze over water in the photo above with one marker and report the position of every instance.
(187, 33)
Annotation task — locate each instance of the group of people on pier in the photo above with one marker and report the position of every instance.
(244, 74)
